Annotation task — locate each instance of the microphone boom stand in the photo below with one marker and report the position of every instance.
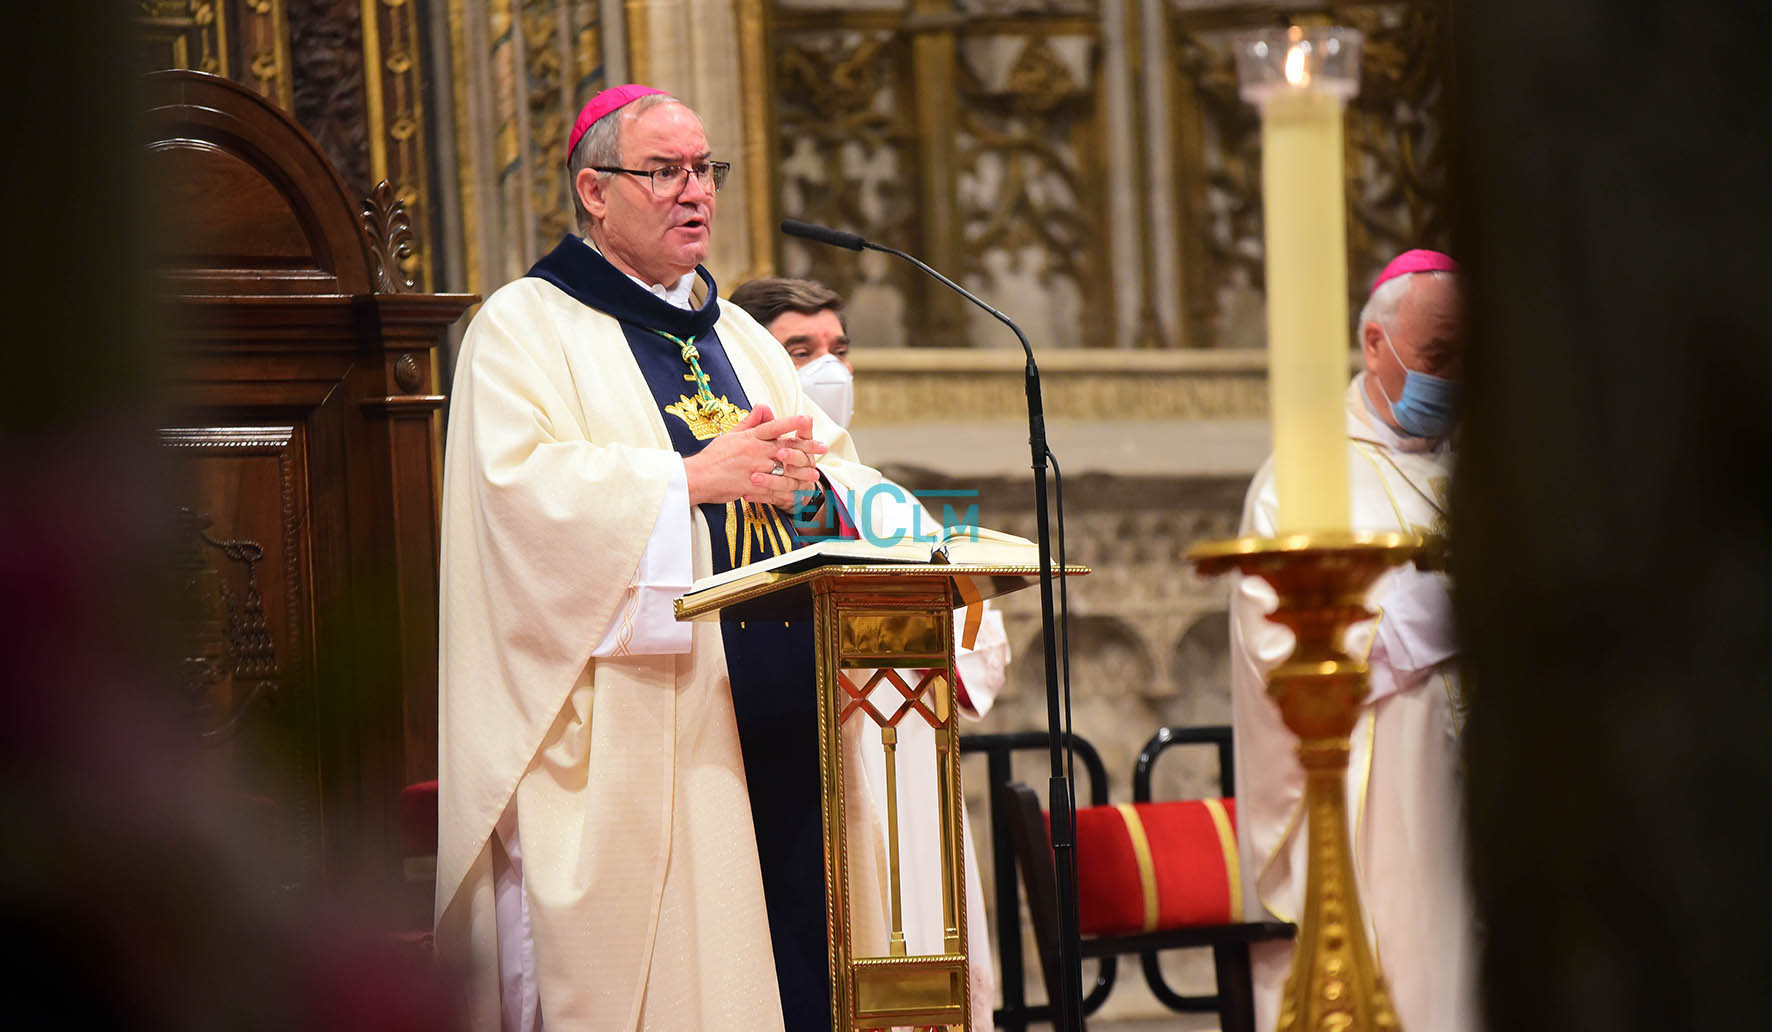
(1066, 1008)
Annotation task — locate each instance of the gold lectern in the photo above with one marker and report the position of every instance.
(896, 620)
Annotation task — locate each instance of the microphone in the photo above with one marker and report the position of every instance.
(1066, 1010)
(854, 242)
(822, 234)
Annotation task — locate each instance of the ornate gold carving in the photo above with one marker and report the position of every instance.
(183, 34)
(521, 70)
(842, 97)
(264, 33)
(392, 69)
(388, 229)
(544, 67)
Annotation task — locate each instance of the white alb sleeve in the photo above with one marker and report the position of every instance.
(646, 624)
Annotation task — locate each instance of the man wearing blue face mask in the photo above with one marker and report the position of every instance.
(1403, 776)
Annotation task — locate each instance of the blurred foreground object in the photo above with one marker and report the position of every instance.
(141, 895)
(1613, 509)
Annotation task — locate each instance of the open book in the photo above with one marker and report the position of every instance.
(955, 545)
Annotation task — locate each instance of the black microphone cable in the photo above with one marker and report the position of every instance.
(1064, 647)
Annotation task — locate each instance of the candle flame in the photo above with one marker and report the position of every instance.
(1297, 73)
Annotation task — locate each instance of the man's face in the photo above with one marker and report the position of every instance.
(1427, 332)
(657, 238)
(807, 337)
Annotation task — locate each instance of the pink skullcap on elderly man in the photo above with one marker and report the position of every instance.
(602, 104)
(1418, 260)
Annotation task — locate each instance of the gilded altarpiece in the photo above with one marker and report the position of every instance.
(970, 134)
(351, 71)
(398, 144)
(245, 40)
(1395, 157)
(519, 72)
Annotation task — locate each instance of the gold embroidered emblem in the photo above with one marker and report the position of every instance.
(707, 417)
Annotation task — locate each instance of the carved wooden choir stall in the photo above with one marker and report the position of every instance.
(305, 415)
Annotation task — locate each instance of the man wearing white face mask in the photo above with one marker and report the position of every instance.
(807, 318)
(1403, 774)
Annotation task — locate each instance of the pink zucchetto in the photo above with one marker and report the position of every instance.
(1418, 260)
(602, 104)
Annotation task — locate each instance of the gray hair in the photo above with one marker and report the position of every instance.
(601, 145)
(1381, 307)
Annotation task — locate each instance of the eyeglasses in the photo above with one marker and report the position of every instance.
(670, 180)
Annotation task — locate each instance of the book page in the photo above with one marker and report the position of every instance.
(984, 545)
(822, 553)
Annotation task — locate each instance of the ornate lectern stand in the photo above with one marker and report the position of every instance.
(897, 621)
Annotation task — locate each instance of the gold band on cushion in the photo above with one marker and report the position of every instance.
(1227, 841)
(1147, 868)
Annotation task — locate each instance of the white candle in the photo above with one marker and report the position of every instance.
(1301, 80)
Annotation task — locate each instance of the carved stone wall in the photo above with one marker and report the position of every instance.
(1086, 166)
(971, 135)
(1395, 163)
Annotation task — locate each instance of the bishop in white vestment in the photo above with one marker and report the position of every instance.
(629, 824)
(1404, 785)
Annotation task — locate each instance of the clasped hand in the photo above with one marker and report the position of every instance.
(762, 459)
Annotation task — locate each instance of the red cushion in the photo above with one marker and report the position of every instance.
(1156, 866)
(418, 819)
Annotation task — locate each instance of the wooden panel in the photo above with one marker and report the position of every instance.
(249, 651)
(301, 381)
(191, 120)
(255, 226)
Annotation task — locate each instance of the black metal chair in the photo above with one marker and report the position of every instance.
(1021, 809)
(999, 749)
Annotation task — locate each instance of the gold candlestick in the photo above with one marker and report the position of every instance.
(1322, 581)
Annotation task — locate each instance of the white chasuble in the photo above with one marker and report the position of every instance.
(1404, 782)
(639, 859)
